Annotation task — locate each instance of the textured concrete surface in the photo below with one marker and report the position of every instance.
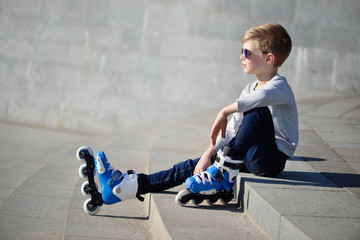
(316, 197)
(318, 194)
(182, 139)
(105, 66)
(46, 203)
(40, 187)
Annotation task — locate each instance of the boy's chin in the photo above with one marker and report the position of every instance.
(246, 71)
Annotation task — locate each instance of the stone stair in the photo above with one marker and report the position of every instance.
(316, 197)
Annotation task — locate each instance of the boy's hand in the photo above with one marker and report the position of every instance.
(205, 161)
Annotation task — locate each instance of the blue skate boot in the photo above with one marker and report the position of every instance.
(213, 184)
(115, 185)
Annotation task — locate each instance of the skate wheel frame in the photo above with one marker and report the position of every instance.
(184, 196)
(227, 198)
(89, 188)
(212, 201)
(82, 171)
(86, 188)
(197, 200)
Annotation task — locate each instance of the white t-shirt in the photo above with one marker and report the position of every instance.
(278, 96)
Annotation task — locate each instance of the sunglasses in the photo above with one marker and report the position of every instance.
(245, 52)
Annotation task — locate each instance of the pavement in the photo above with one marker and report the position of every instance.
(316, 197)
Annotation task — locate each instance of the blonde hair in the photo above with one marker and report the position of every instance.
(270, 38)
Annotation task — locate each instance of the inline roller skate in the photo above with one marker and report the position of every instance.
(115, 185)
(213, 184)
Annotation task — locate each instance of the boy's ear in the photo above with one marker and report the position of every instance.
(270, 58)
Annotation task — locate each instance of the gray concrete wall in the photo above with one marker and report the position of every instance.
(109, 65)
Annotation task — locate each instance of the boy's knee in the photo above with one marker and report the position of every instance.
(258, 111)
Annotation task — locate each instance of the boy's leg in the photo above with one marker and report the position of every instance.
(166, 179)
(262, 164)
(256, 129)
(118, 186)
(255, 143)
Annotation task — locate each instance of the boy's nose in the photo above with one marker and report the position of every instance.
(242, 57)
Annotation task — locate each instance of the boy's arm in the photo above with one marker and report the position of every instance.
(221, 122)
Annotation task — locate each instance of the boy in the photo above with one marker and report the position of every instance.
(261, 135)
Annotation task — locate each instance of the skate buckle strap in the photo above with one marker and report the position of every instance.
(140, 198)
(114, 177)
(219, 176)
(227, 188)
(231, 165)
(230, 152)
(129, 172)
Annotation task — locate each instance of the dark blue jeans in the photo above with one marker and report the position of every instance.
(254, 143)
(166, 179)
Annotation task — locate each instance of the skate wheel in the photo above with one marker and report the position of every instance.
(197, 200)
(89, 208)
(183, 197)
(86, 189)
(212, 201)
(82, 171)
(80, 151)
(226, 199)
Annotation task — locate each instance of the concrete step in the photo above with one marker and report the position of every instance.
(40, 187)
(41, 196)
(36, 181)
(128, 219)
(183, 139)
(300, 203)
(315, 197)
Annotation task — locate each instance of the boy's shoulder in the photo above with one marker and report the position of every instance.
(279, 81)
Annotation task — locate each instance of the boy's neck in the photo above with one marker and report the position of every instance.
(262, 79)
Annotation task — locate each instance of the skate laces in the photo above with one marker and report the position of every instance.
(203, 177)
(110, 168)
